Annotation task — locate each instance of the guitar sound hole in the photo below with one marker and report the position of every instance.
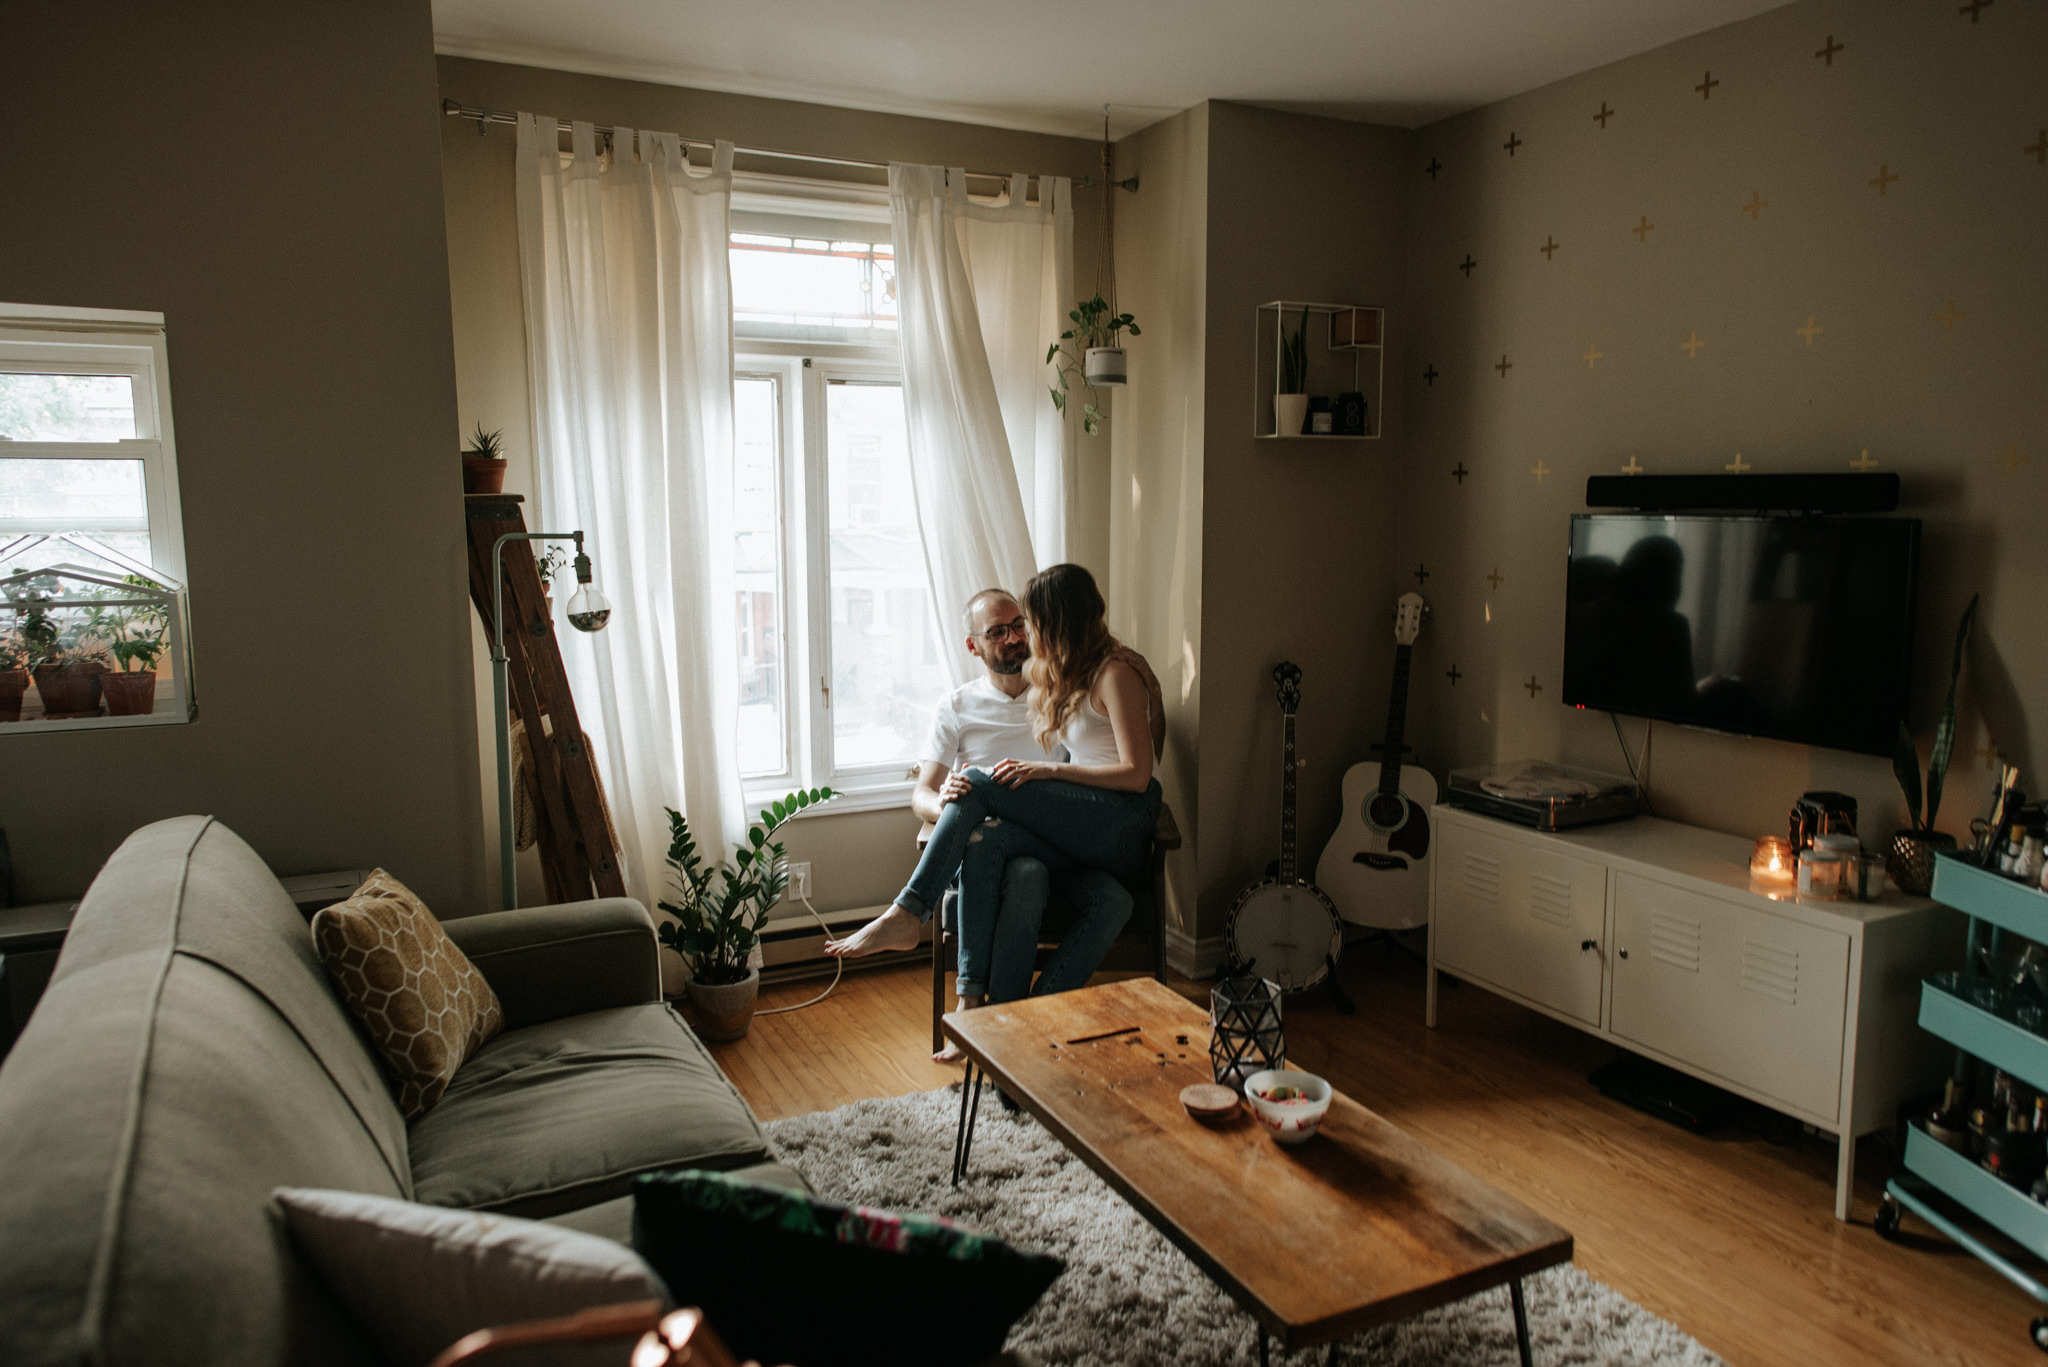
(1386, 810)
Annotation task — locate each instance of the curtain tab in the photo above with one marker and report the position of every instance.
(1020, 189)
(956, 184)
(721, 158)
(583, 140)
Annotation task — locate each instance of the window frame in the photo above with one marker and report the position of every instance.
(39, 339)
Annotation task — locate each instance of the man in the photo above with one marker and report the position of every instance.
(981, 723)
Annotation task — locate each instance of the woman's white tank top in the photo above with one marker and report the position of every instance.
(1089, 737)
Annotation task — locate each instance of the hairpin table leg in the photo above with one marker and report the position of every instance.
(1521, 1320)
(970, 1107)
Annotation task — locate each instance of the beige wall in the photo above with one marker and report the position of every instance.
(266, 177)
(1298, 537)
(1943, 103)
(860, 859)
(1155, 490)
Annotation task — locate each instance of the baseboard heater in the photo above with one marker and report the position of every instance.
(792, 946)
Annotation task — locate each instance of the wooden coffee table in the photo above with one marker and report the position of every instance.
(1357, 1227)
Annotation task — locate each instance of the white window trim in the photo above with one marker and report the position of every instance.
(40, 338)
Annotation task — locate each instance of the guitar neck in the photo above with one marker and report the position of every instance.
(1287, 772)
(1397, 719)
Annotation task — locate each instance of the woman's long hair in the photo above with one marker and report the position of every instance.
(1070, 643)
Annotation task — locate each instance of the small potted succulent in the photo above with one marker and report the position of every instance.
(719, 911)
(1910, 862)
(1092, 349)
(483, 464)
(13, 674)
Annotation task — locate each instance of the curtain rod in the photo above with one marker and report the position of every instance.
(485, 117)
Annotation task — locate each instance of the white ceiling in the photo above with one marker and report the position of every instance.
(1049, 65)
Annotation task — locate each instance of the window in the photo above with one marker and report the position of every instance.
(85, 430)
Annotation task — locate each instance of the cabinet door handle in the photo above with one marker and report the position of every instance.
(1585, 945)
(1622, 952)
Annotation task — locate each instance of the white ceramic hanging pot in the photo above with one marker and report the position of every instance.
(1105, 365)
(1289, 410)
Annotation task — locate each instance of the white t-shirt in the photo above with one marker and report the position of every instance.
(979, 725)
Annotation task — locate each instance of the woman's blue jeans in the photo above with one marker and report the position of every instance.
(1099, 828)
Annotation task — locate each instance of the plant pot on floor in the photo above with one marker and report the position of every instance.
(723, 1011)
(13, 684)
(131, 694)
(483, 475)
(1289, 411)
(70, 690)
(1910, 861)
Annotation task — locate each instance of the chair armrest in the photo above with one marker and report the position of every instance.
(1165, 834)
(924, 835)
(563, 960)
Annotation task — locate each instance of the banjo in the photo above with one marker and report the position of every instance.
(1283, 927)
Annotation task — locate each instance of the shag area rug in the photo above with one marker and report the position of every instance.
(1130, 1297)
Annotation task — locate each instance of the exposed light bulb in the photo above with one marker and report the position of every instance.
(589, 609)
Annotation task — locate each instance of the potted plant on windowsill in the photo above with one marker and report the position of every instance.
(719, 911)
(483, 464)
(1093, 350)
(1290, 401)
(135, 638)
(1910, 862)
(13, 677)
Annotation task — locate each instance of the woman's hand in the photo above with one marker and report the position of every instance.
(1014, 773)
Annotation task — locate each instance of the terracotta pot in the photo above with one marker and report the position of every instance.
(130, 695)
(1910, 862)
(483, 475)
(723, 1011)
(13, 683)
(70, 690)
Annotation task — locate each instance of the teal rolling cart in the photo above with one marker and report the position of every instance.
(1941, 1186)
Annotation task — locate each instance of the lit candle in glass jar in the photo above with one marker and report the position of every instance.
(1771, 861)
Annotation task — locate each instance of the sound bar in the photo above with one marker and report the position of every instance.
(1867, 493)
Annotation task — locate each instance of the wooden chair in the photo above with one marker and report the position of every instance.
(1141, 946)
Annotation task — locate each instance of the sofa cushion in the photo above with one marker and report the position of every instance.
(424, 1004)
(613, 1219)
(566, 1113)
(417, 1278)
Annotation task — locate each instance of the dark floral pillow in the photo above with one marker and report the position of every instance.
(791, 1277)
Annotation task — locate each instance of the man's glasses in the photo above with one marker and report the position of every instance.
(1004, 631)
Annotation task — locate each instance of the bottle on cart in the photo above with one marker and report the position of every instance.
(1950, 1123)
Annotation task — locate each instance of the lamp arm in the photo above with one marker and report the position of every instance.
(508, 864)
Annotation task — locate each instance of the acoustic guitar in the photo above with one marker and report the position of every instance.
(1376, 865)
(1283, 927)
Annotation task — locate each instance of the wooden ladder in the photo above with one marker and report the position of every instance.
(577, 859)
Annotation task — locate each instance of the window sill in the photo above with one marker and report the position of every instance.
(861, 800)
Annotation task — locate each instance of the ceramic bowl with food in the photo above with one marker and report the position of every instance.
(1291, 1105)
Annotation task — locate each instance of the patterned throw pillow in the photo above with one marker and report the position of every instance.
(424, 1004)
(711, 1236)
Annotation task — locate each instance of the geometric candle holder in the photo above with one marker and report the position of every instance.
(1244, 1030)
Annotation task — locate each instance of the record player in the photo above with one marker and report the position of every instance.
(1550, 797)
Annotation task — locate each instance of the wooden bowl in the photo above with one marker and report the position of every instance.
(1208, 1102)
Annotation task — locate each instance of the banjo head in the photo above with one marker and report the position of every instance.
(1287, 931)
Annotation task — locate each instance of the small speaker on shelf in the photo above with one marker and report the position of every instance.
(1832, 493)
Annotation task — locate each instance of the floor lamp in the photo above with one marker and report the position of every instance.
(589, 610)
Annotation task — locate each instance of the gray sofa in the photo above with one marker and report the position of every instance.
(190, 1056)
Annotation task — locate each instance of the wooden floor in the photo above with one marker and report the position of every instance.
(1730, 1236)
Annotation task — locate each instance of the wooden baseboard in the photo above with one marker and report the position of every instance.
(1193, 958)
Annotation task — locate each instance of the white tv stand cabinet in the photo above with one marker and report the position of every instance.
(1646, 933)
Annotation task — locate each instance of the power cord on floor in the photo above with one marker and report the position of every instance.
(838, 968)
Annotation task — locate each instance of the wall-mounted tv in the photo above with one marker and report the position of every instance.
(1796, 628)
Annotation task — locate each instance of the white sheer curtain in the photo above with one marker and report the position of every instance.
(629, 346)
(979, 289)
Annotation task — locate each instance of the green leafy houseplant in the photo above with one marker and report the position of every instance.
(719, 909)
(1294, 358)
(1094, 325)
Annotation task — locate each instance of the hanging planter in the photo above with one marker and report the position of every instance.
(1106, 364)
(1092, 349)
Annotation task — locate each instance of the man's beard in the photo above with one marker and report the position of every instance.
(999, 665)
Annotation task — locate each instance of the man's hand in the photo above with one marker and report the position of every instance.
(1014, 773)
(953, 789)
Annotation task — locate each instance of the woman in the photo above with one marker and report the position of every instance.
(1097, 808)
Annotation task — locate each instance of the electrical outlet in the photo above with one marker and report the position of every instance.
(799, 882)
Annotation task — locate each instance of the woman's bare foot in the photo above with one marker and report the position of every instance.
(893, 929)
(951, 1053)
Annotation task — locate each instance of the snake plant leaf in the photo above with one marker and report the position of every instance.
(1906, 765)
(1945, 729)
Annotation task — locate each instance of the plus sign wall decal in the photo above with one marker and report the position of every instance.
(1505, 365)
(1550, 244)
(1634, 467)
(1863, 462)
(1706, 86)
(1947, 317)
(1453, 675)
(1642, 229)
(1738, 465)
(1593, 353)
(1460, 473)
(1539, 469)
(1497, 578)
(1988, 752)
(1429, 375)
(1512, 143)
(1691, 346)
(1884, 177)
(1533, 687)
(2038, 150)
(1467, 264)
(2012, 460)
(1422, 574)
(1604, 115)
(1973, 7)
(1827, 54)
(1433, 167)
(1757, 204)
(1811, 330)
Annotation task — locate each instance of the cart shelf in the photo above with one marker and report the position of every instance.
(2004, 902)
(1974, 1030)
